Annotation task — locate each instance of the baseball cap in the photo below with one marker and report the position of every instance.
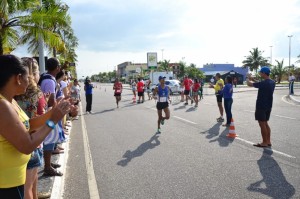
(161, 77)
(265, 70)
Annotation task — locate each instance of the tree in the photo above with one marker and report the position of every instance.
(193, 72)
(278, 70)
(255, 59)
(193, 65)
(18, 18)
(164, 66)
(182, 69)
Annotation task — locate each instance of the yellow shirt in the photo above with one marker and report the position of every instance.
(12, 162)
(217, 86)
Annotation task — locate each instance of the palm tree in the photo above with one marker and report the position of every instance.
(165, 65)
(182, 69)
(278, 70)
(57, 23)
(8, 35)
(255, 59)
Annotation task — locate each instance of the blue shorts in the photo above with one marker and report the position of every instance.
(36, 159)
(49, 147)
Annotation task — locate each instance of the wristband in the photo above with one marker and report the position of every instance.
(50, 124)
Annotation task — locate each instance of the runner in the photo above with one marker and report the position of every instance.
(187, 88)
(162, 102)
(148, 90)
(133, 87)
(140, 89)
(118, 87)
(219, 94)
(196, 88)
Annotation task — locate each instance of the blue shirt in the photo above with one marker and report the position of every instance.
(227, 91)
(265, 94)
(163, 94)
(89, 89)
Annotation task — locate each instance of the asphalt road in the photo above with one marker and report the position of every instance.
(192, 158)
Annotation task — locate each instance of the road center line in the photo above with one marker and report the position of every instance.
(286, 117)
(92, 183)
(249, 111)
(269, 149)
(184, 120)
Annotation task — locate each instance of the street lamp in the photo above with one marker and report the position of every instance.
(290, 36)
(271, 55)
(162, 54)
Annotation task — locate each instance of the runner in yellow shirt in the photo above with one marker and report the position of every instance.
(219, 94)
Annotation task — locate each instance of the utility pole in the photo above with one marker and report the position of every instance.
(41, 48)
(271, 55)
(290, 36)
(162, 54)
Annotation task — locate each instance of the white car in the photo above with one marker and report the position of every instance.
(174, 86)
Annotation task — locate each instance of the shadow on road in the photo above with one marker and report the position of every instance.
(222, 139)
(180, 107)
(273, 182)
(104, 111)
(213, 131)
(129, 155)
(191, 109)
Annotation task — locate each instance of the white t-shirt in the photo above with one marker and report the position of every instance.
(292, 78)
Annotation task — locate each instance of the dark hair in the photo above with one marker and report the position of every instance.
(10, 65)
(218, 75)
(52, 64)
(139, 79)
(229, 79)
(60, 74)
(196, 80)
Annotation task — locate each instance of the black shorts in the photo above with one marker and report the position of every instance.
(162, 105)
(262, 115)
(186, 92)
(14, 192)
(140, 94)
(219, 98)
(117, 94)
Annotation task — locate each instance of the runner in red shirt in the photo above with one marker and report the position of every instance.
(187, 88)
(196, 88)
(118, 87)
(140, 89)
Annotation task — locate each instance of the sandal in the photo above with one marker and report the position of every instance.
(57, 151)
(52, 172)
(55, 165)
(260, 145)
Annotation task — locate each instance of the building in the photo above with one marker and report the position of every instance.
(210, 70)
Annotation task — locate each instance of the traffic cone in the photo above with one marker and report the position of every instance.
(231, 133)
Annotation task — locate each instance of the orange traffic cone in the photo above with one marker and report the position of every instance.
(231, 133)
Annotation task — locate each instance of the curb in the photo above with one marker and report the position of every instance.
(292, 97)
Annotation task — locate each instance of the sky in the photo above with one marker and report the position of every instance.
(111, 32)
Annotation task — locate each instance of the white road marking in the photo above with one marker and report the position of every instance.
(184, 120)
(269, 149)
(58, 184)
(207, 103)
(249, 111)
(286, 117)
(92, 183)
(283, 99)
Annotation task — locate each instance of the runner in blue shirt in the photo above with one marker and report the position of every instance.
(163, 97)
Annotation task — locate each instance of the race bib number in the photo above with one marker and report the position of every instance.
(118, 91)
(163, 99)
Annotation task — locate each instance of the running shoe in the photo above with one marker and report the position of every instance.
(158, 131)
(186, 103)
(162, 122)
(220, 119)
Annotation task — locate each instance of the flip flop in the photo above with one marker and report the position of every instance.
(259, 145)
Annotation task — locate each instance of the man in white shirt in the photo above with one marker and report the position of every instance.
(291, 83)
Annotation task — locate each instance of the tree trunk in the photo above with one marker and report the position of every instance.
(1, 46)
(54, 52)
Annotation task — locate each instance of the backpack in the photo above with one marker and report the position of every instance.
(46, 76)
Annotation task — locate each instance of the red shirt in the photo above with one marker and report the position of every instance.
(187, 84)
(140, 86)
(196, 87)
(118, 87)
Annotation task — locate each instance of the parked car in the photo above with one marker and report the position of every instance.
(173, 84)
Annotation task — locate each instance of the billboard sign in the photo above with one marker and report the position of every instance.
(152, 60)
